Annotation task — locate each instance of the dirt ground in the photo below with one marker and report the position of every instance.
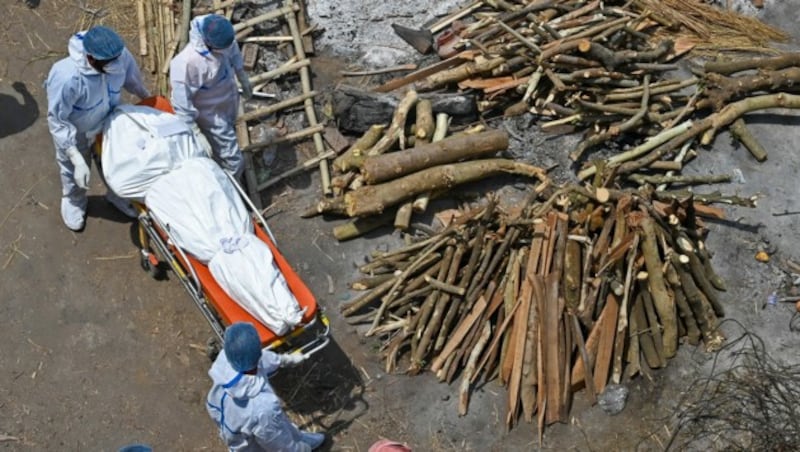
(95, 354)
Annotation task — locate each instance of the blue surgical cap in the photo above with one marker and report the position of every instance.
(242, 346)
(217, 31)
(102, 43)
(136, 448)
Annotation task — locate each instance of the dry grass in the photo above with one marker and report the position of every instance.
(711, 28)
(117, 14)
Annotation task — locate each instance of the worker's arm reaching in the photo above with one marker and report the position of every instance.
(235, 58)
(133, 76)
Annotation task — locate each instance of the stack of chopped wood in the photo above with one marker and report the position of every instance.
(600, 67)
(372, 181)
(578, 289)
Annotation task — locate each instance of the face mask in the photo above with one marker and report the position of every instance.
(113, 68)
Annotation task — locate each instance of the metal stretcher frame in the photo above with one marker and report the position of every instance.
(158, 246)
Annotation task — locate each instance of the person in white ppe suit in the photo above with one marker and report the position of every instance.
(204, 90)
(82, 90)
(242, 401)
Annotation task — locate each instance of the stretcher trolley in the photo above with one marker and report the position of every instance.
(164, 242)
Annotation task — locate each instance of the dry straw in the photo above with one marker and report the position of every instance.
(710, 28)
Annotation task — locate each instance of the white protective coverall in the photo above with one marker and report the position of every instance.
(79, 98)
(247, 411)
(204, 91)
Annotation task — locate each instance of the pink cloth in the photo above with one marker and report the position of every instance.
(386, 445)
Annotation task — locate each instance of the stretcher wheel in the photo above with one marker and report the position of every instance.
(150, 264)
(213, 347)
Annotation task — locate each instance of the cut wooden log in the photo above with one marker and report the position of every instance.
(459, 73)
(685, 312)
(356, 110)
(646, 342)
(553, 358)
(370, 282)
(463, 398)
(400, 82)
(605, 346)
(532, 289)
(459, 334)
(510, 301)
(664, 304)
(396, 130)
(355, 155)
(360, 226)
(402, 220)
(652, 325)
(333, 206)
(440, 131)
(450, 150)
(425, 124)
(373, 199)
(419, 351)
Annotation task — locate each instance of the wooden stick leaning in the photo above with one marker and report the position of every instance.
(305, 81)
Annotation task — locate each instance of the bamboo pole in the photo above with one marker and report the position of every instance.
(186, 19)
(149, 18)
(305, 80)
(305, 166)
(140, 16)
(286, 68)
(289, 137)
(243, 137)
(276, 107)
(287, 10)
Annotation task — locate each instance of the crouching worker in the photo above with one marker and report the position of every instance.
(242, 402)
(82, 90)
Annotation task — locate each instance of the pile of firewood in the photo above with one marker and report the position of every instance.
(589, 66)
(577, 289)
(600, 68)
(371, 181)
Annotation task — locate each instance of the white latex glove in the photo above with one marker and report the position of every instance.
(247, 88)
(292, 359)
(82, 172)
(201, 139)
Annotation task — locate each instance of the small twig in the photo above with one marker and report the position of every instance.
(740, 131)
(113, 258)
(22, 198)
(785, 213)
(449, 288)
(527, 42)
(98, 13)
(642, 179)
(613, 131)
(402, 67)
